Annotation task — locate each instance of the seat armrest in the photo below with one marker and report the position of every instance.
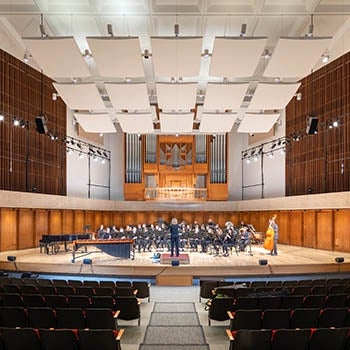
(229, 334)
(116, 314)
(120, 333)
(230, 315)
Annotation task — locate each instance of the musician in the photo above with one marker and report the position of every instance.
(244, 239)
(114, 232)
(272, 223)
(229, 240)
(101, 231)
(174, 237)
(106, 234)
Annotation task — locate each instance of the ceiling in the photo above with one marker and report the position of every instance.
(225, 63)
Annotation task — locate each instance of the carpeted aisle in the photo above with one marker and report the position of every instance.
(174, 326)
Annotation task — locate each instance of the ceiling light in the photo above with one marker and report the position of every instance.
(26, 57)
(310, 32)
(248, 161)
(101, 134)
(95, 159)
(180, 80)
(81, 155)
(270, 155)
(43, 31)
(103, 161)
(15, 122)
(266, 54)
(206, 53)
(256, 158)
(283, 151)
(110, 29)
(298, 96)
(176, 135)
(2, 117)
(127, 80)
(325, 58)
(243, 29)
(225, 80)
(335, 123)
(69, 151)
(146, 54)
(172, 79)
(87, 53)
(74, 80)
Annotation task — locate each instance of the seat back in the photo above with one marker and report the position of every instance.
(58, 339)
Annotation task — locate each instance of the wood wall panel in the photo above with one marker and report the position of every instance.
(41, 224)
(142, 218)
(117, 219)
(26, 232)
(89, 220)
(282, 221)
(98, 219)
(324, 232)
(55, 222)
(8, 226)
(296, 228)
(68, 222)
(107, 218)
(79, 221)
(341, 230)
(309, 228)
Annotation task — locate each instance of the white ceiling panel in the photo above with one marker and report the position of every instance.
(132, 97)
(117, 56)
(272, 96)
(80, 96)
(58, 57)
(176, 123)
(176, 97)
(221, 97)
(136, 123)
(217, 123)
(236, 56)
(257, 123)
(295, 57)
(95, 123)
(176, 57)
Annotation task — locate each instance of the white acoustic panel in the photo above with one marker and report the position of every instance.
(58, 57)
(221, 97)
(217, 123)
(136, 123)
(257, 123)
(176, 97)
(80, 96)
(95, 123)
(272, 96)
(117, 56)
(236, 56)
(176, 123)
(132, 97)
(295, 57)
(176, 57)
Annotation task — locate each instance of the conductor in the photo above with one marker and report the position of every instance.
(174, 237)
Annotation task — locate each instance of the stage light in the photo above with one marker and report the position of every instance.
(87, 53)
(110, 29)
(206, 53)
(335, 123)
(81, 155)
(16, 122)
(243, 29)
(2, 117)
(248, 160)
(325, 58)
(256, 158)
(103, 161)
(176, 29)
(270, 155)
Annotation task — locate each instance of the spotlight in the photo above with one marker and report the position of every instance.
(110, 29)
(270, 155)
(243, 29)
(26, 57)
(95, 158)
(43, 31)
(248, 161)
(325, 58)
(16, 122)
(2, 117)
(256, 158)
(335, 123)
(101, 134)
(103, 161)
(245, 154)
(23, 124)
(310, 32)
(206, 53)
(172, 80)
(146, 54)
(180, 80)
(87, 53)
(266, 54)
(74, 80)
(176, 29)
(127, 80)
(81, 155)
(69, 151)
(298, 96)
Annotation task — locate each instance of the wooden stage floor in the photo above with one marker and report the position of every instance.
(291, 260)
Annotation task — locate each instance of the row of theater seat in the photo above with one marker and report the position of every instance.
(143, 290)
(39, 339)
(290, 339)
(287, 318)
(45, 317)
(128, 308)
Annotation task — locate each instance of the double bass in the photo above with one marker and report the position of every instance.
(268, 243)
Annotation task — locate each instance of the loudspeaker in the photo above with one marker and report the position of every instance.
(29, 275)
(87, 261)
(175, 263)
(41, 126)
(11, 258)
(311, 125)
(263, 262)
(339, 259)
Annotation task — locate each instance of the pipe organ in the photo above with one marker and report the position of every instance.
(167, 167)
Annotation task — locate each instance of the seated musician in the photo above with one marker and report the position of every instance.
(244, 239)
(114, 232)
(106, 234)
(100, 231)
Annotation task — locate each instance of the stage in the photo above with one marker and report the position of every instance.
(291, 260)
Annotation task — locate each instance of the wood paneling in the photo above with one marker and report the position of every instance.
(55, 222)
(89, 220)
(309, 228)
(341, 230)
(68, 221)
(79, 221)
(217, 192)
(296, 228)
(26, 236)
(8, 226)
(324, 232)
(41, 219)
(134, 192)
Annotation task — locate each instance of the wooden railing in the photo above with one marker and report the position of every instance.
(176, 193)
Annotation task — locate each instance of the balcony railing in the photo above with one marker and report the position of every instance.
(176, 193)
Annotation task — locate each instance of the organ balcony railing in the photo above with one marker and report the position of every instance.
(176, 193)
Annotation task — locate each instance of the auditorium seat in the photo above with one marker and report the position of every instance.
(44, 282)
(65, 290)
(328, 338)
(93, 284)
(73, 318)
(41, 317)
(46, 289)
(81, 301)
(124, 291)
(143, 289)
(122, 284)
(98, 301)
(250, 339)
(245, 303)
(292, 301)
(218, 309)
(104, 291)
(333, 317)
(12, 316)
(22, 338)
(84, 290)
(110, 284)
(29, 289)
(335, 300)
(320, 289)
(100, 318)
(206, 289)
(58, 339)
(101, 339)
(337, 289)
(269, 302)
(245, 319)
(313, 301)
(33, 300)
(304, 318)
(11, 299)
(59, 282)
(12, 288)
(276, 318)
(56, 300)
(129, 308)
(290, 339)
(75, 283)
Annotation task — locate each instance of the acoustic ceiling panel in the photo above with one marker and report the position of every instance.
(272, 96)
(80, 96)
(257, 123)
(136, 123)
(176, 57)
(217, 123)
(236, 56)
(295, 57)
(117, 56)
(132, 97)
(58, 57)
(221, 97)
(176, 97)
(176, 123)
(95, 123)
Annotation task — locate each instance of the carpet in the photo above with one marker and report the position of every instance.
(183, 258)
(179, 335)
(173, 347)
(174, 319)
(174, 307)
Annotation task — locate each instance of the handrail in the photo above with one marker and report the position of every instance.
(176, 193)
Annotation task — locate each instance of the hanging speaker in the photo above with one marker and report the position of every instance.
(41, 126)
(311, 125)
